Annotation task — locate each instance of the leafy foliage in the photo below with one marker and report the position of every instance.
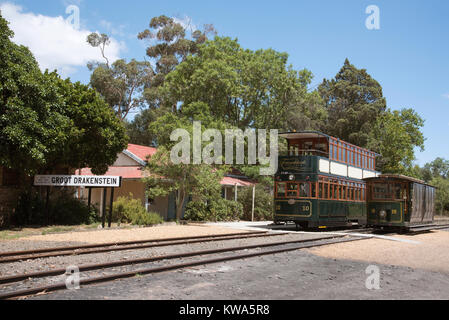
(129, 210)
(241, 87)
(263, 204)
(171, 48)
(436, 173)
(442, 195)
(47, 122)
(63, 210)
(197, 181)
(122, 84)
(215, 210)
(395, 136)
(353, 100)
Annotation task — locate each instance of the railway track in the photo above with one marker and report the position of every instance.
(282, 246)
(232, 254)
(9, 257)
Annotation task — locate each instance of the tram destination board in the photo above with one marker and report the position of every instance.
(77, 181)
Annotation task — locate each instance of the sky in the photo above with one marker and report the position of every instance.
(408, 54)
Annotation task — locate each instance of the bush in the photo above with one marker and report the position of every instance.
(147, 219)
(215, 210)
(263, 204)
(129, 210)
(63, 209)
(196, 211)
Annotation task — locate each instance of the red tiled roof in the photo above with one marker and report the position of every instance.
(142, 152)
(137, 172)
(124, 172)
(228, 181)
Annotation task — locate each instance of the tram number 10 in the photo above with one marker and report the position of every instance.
(305, 208)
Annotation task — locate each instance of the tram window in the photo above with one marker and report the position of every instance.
(292, 190)
(321, 147)
(397, 191)
(326, 190)
(281, 189)
(382, 191)
(320, 190)
(313, 187)
(343, 192)
(304, 190)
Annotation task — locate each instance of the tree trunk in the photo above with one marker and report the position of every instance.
(180, 204)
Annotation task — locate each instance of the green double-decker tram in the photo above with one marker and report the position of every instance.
(320, 183)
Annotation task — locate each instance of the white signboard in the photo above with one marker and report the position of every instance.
(78, 181)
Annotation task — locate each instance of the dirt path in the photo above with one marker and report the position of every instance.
(432, 252)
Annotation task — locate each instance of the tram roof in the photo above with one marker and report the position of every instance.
(316, 134)
(304, 134)
(399, 177)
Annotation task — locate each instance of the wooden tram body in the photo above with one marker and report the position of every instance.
(320, 183)
(399, 201)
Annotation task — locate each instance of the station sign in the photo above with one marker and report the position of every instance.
(77, 181)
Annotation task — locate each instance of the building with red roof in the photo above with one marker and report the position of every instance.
(130, 165)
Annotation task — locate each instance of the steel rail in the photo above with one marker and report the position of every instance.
(111, 244)
(138, 247)
(43, 274)
(49, 288)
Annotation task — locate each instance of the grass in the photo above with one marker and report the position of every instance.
(17, 233)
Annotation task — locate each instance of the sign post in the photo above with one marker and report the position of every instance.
(87, 182)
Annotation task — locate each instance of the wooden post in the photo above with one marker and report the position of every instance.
(236, 193)
(103, 213)
(110, 208)
(89, 198)
(254, 200)
(47, 200)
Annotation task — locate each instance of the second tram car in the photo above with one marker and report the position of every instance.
(399, 201)
(320, 183)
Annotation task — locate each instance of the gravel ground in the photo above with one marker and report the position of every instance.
(418, 270)
(105, 236)
(432, 252)
(297, 275)
(65, 261)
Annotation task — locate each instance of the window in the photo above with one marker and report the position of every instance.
(326, 190)
(281, 188)
(343, 193)
(304, 190)
(292, 190)
(381, 191)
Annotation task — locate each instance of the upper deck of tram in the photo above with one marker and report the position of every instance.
(315, 143)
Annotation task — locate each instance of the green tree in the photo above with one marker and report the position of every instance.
(138, 128)
(91, 120)
(47, 122)
(241, 87)
(395, 136)
(354, 101)
(442, 195)
(201, 182)
(439, 168)
(121, 84)
(170, 45)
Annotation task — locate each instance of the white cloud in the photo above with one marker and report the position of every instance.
(55, 43)
(446, 95)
